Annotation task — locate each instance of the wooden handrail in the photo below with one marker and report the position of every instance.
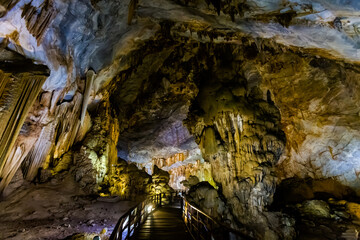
(200, 225)
(203, 227)
(134, 217)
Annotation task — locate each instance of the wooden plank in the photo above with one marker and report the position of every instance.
(164, 223)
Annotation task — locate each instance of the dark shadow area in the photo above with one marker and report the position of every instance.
(295, 190)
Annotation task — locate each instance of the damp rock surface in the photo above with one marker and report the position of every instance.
(57, 211)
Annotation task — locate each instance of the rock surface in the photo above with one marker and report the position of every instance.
(126, 181)
(316, 208)
(205, 196)
(242, 94)
(57, 210)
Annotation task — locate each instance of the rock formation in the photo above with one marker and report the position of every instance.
(258, 98)
(207, 198)
(126, 181)
(20, 85)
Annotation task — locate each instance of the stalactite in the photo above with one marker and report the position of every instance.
(15, 158)
(90, 75)
(68, 125)
(15, 106)
(6, 5)
(38, 21)
(132, 7)
(56, 138)
(38, 153)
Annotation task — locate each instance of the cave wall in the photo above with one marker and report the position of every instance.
(320, 115)
(98, 152)
(249, 97)
(274, 113)
(51, 127)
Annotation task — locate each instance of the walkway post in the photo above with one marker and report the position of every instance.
(182, 204)
(198, 224)
(129, 224)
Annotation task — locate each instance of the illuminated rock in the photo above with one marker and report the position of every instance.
(242, 94)
(354, 210)
(191, 181)
(316, 208)
(98, 151)
(126, 180)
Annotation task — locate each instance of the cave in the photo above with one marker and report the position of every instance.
(249, 108)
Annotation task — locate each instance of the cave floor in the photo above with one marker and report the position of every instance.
(58, 210)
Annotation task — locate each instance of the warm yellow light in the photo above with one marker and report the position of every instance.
(149, 208)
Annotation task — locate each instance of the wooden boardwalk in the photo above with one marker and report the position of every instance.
(165, 223)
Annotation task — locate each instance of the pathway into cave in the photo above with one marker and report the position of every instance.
(164, 223)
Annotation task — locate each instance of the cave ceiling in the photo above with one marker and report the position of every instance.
(73, 36)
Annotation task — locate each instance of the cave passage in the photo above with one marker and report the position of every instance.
(249, 110)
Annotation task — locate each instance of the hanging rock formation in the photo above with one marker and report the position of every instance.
(20, 83)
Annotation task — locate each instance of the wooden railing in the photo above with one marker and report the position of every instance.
(203, 227)
(134, 217)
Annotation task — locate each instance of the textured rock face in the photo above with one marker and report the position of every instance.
(159, 184)
(266, 89)
(317, 99)
(87, 28)
(129, 182)
(182, 166)
(20, 83)
(316, 208)
(207, 198)
(98, 151)
(126, 181)
(238, 132)
(201, 170)
(81, 46)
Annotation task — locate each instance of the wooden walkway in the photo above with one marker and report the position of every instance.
(163, 224)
